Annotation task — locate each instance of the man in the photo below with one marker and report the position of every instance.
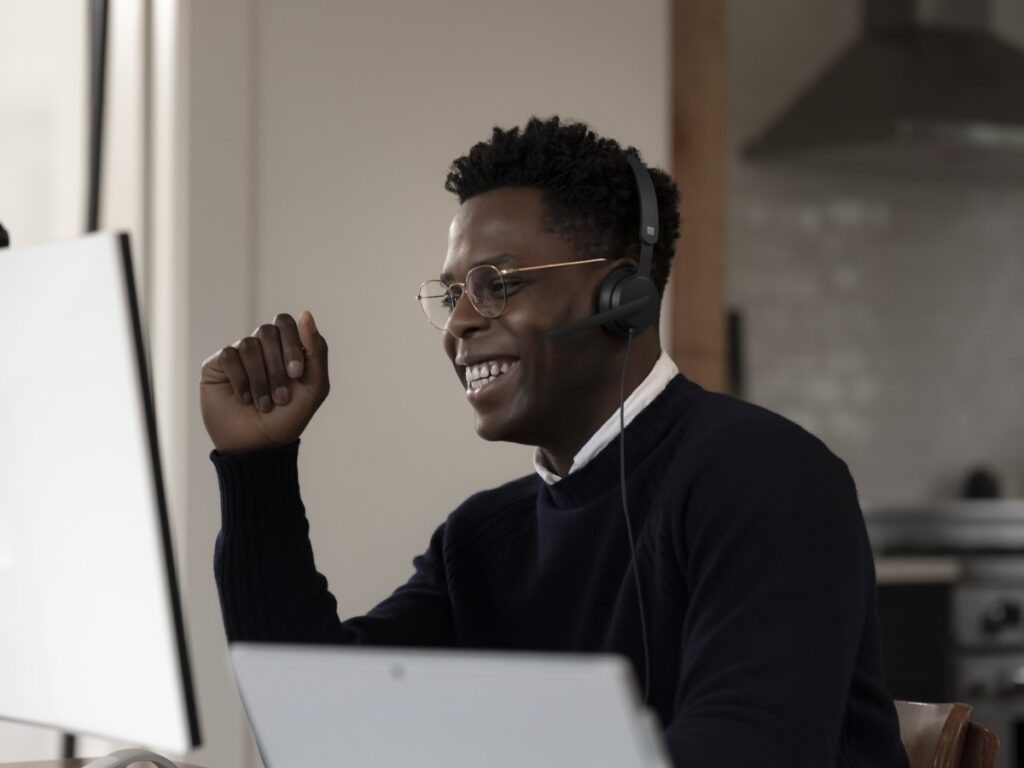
(759, 630)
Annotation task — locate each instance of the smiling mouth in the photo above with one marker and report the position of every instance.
(481, 377)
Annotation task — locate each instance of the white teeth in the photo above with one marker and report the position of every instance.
(478, 376)
(483, 370)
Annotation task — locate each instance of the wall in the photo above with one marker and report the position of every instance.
(43, 119)
(315, 138)
(881, 313)
(43, 102)
(270, 157)
(361, 107)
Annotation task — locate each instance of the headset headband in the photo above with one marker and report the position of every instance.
(648, 214)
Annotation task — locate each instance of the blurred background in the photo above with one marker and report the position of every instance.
(271, 156)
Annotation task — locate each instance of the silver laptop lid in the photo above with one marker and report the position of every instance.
(316, 706)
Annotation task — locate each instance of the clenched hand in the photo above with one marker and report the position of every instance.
(262, 390)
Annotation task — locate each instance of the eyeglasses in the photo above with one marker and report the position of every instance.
(485, 286)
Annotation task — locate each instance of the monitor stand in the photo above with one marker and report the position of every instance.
(122, 758)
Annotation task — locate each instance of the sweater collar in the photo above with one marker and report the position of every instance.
(642, 435)
(663, 371)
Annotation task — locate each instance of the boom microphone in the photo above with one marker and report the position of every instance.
(596, 321)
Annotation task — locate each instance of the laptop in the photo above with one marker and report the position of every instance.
(314, 706)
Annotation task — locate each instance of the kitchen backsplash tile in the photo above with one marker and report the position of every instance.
(882, 313)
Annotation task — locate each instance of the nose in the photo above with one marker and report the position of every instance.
(464, 319)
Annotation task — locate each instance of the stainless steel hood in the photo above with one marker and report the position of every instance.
(927, 87)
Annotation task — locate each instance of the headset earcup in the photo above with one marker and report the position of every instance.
(621, 287)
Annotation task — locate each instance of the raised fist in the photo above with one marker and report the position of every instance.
(262, 390)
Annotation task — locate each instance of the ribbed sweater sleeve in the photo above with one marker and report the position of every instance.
(269, 587)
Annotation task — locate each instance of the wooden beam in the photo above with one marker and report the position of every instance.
(700, 166)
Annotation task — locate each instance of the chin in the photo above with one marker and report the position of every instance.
(495, 429)
(492, 430)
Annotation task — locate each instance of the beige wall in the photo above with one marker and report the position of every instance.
(43, 102)
(360, 109)
(272, 156)
(43, 135)
(314, 143)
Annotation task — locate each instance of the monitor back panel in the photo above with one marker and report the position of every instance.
(92, 633)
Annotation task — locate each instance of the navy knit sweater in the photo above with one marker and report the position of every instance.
(758, 581)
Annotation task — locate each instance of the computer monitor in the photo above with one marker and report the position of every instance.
(93, 638)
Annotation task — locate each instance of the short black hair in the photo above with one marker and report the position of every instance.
(588, 189)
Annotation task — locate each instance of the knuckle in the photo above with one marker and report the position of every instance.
(248, 344)
(285, 318)
(267, 330)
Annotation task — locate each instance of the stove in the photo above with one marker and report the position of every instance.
(951, 599)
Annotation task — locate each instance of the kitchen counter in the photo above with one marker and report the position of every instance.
(918, 569)
(964, 527)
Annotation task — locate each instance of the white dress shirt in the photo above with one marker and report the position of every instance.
(661, 374)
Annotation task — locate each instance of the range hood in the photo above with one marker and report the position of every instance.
(928, 87)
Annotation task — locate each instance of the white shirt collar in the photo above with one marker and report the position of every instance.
(661, 374)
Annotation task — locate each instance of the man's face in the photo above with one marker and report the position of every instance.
(550, 387)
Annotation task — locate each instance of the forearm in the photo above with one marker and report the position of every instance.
(267, 580)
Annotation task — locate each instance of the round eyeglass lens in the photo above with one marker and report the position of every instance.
(436, 302)
(486, 289)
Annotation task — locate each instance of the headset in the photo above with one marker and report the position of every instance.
(627, 300)
(628, 303)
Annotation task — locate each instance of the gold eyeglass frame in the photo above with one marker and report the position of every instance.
(502, 272)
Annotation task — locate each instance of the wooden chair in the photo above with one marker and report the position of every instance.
(943, 736)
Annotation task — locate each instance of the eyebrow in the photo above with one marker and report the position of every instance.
(500, 261)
